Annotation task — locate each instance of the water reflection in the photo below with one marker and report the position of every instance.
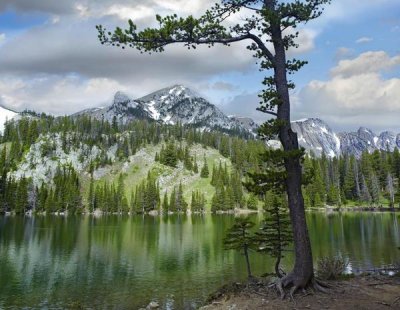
(125, 261)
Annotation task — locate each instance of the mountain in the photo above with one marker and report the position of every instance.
(123, 108)
(5, 114)
(171, 105)
(316, 136)
(179, 104)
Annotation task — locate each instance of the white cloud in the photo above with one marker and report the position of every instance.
(368, 62)
(343, 53)
(364, 40)
(127, 12)
(60, 67)
(57, 95)
(67, 46)
(306, 41)
(357, 94)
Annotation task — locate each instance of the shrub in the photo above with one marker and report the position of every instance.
(330, 268)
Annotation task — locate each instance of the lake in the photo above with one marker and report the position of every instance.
(125, 262)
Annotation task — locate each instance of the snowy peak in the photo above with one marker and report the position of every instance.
(5, 115)
(388, 140)
(122, 103)
(246, 122)
(171, 105)
(174, 93)
(120, 98)
(316, 136)
(123, 109)
(176, 104)
(367, 135)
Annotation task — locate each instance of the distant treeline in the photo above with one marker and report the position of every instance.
(372, 179)
(64, 192)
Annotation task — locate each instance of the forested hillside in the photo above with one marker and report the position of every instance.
(82, 164)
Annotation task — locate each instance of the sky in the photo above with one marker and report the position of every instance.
(51, 61)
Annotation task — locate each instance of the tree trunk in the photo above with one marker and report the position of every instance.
(303, 271)
(246, 254)
(277, 263)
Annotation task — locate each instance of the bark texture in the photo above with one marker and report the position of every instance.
(303, 272)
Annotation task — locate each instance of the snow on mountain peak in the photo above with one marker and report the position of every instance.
(171, 105)
(315, 135)
(121, 97)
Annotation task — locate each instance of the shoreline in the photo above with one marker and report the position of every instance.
(367, 291)
(155, 213)
(355, 209)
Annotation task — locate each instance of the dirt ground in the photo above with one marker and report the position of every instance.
(363, 292)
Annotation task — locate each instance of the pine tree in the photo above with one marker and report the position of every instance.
(375, 191)
(364, 192)
(204, 170)
(349, 186)
(169, 156)
(333, 196)
(21, 203)
(239, 238)
(396, 163)
(165, 205)
(193, 203)
(91, 195)
(390, 189)
(275, 234)
(121, 204)
(132, 201)
(172, 201)
(252, 202)
(397, 194)
(229, 198)
(195, 166)
(187, 159)
(181, 204)
(198, 201)
(218, 200)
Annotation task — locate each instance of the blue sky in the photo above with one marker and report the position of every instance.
(50, 61)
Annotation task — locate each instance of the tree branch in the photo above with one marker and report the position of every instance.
(165, 42)
(231, 7)
(302, 12)
(265, 110)
(270, 113)
(263, 48)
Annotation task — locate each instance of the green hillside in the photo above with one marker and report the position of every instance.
(136, 168)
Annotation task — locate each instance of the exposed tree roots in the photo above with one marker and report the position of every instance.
(290, 281)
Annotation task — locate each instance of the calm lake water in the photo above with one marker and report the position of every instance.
(123, 262)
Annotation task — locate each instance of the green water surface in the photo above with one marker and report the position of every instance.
(122, 262)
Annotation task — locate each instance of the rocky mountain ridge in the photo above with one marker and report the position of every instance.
(179, 104)
(317, 137)
(171, 105)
